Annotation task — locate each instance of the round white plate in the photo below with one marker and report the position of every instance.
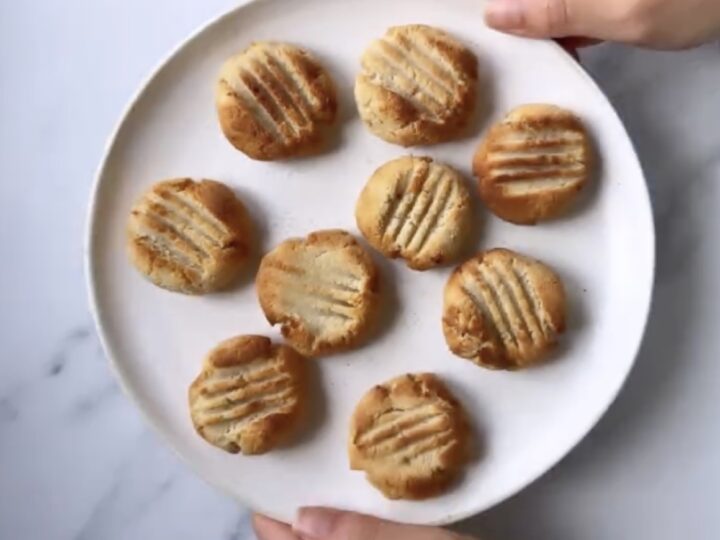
(526, 421)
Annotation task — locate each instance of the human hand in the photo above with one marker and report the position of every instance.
(662, 24)
(328, 524)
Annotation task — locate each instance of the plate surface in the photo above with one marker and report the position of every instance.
(525, 421)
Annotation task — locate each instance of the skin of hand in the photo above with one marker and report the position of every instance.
(329, 524)
(661, 24)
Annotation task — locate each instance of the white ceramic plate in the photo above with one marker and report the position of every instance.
(526, 421)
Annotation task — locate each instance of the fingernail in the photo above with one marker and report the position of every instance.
(505, 14)
(315, 523)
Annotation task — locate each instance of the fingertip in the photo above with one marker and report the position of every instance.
(258, 520)
(269, 529)
(315, 522)
(505, 15)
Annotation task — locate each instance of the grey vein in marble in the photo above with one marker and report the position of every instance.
(64, 353)
(90, 402)
(131, 506)
(8, 412)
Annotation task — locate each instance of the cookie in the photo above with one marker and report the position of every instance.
(410, 436)
(190, 237)
(274, 101)
(503, 310)
(416, 209)
(532, 165)
(322, 290)
(249, 396)
(418, 85)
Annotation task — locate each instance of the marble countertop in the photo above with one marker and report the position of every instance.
(78, 462)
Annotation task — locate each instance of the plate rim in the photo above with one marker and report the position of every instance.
(89, 267)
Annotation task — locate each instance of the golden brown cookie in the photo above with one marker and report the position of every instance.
(274, 101)
(503, 310)
(416, 209)
(417, 86)
(322, 290)
(532, 164)
(410, 436)
(190, 237)
(249, 396)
